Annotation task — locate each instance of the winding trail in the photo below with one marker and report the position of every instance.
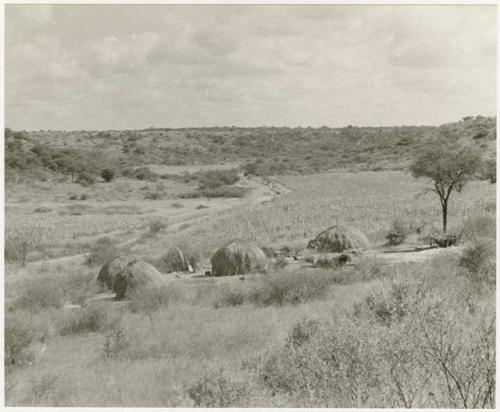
(261, 191)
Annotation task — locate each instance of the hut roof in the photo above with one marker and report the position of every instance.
(110, 269)
(125, 275)
(175, 260)
(340, 238)
(237, 258)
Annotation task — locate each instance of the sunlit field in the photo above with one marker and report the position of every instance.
(369, 201)
(222, 342)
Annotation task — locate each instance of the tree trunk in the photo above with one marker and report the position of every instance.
(445, 215)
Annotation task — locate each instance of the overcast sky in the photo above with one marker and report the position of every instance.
(126, 66)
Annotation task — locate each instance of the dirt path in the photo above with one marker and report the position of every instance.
(261, 191)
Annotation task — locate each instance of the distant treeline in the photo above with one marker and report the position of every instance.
(261, 151)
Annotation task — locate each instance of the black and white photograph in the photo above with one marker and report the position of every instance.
(237, 205)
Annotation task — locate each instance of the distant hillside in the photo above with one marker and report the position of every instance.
(266, 150)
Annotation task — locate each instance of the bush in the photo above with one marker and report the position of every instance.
(215, 390)
(17, 340)
(148, 300)
(115, 344)
(17, 248)
(476, 227)
(398, 232)
(156, 225)
(425, 359)
(103, 251)
(278, 289)
(222, 191)
(230, 191)
(73, 197)
(43, 209)
(154, 196)
(85, 179)
(41, 293)
(88, 319)
(479, 261)
(302, 332)
(84, 196)
(108, 174)
(140, 173)
(391, 306)
(489, 170)
(228, 295)
(213, 179)
(177, 205)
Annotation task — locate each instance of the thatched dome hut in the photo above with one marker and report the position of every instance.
(123, 275)
(339, 238)
(177, 260)
(110, 269)
(238, 258)
(136, 275)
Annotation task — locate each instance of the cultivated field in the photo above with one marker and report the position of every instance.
(364, 335)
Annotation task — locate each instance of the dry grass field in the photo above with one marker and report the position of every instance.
(344, 337)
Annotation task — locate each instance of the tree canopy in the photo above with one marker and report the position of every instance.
(449, 168)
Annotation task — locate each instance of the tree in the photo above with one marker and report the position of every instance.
(449, 168)
(108, 174)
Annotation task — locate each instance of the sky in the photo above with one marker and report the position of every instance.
(72, 67)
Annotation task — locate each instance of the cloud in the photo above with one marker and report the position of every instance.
(135, 66)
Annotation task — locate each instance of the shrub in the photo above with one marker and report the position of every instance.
(140, 173)
(489, 170)
(115, 344)
(88, 319)
(278, 289)
(223, 191)
(153, 196)
(367, 268)
(302, 332)
(150, 299)
(424, 360)
(202, 207)
(177, 205)
(108, 174)
(325, 261)
(393, 305)
(84, 196)
(216, 178)
(398, 232)
(228, 295)
(481, 226)
(43, 209)
(17, 340)
(479, 261)
(156, 225)
(216, 390)
(85, 179)
(73, 197)
(17, 248)
(103, 251)
(41, 293)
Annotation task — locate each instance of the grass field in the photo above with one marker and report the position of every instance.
(369, 201)
(324, 337)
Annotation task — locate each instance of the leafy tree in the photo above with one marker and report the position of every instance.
(108, 174)
(449, 168)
